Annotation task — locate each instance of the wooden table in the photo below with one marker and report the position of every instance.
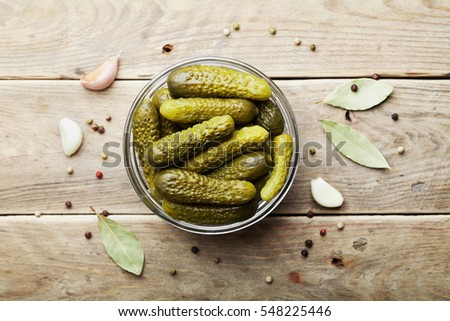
(396, 241)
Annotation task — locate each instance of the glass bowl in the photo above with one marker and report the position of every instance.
(137, 177)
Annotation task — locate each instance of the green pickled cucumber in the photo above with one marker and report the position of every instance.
(166, 126)
(243, 140)
(146, 130)
(182, 186)
(179, 146)
(195, 110)
(209, 215)
(213, 81)
(160, 96)
(270, 117)
(282, 154)
(247, 167)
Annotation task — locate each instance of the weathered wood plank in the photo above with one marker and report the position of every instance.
(63, 39)
(33, 166)
(373, 258)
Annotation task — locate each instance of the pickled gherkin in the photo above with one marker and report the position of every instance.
(248, 167)
(145, 132)
(182, 186)
(166, 126)
(209, 215)
(270, 117)
(243, 140)
(282, 154)
(177, 147)
(194, 110)
(214, 81)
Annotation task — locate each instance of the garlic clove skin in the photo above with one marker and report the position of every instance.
(102, 76)
(325, 194)
(71, 136)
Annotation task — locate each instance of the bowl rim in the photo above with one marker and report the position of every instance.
(140, 185)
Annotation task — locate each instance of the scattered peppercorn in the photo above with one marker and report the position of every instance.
(297, 41)
(269, 279)
(272, 30)
(69, 170)
(323, 232)
(99, 175)
(400, 150)
(354, 88)
(312, 47)
(305, 253)
(101, 129)
(236, 26)
(217, 260)
(105, 213)
(312, 150)
(347, 115)
(87, 234)
(37, 213)
(68, 204)
(104, 156)
(309, 243)
(95, 127)
(172, 271)
(375, 77)
(194, 249)
(89, 121)
(108, 118)
(226, 32)
(394, 116)
(340, 225)
(310, 214)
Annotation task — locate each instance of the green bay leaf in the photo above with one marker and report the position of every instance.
(369, 94)
(357, 147)
(121, 245)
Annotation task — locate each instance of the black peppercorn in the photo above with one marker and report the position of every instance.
(194, 249)
(375, 77)
(88, 235)
(394, 116)
(68, 204)
(309, 243)
(305, 253)
(354, 88)
(101, 129)
(105, 213)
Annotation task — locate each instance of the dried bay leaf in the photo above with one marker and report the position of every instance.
(357, 147)
(121, 245)
(369, 94)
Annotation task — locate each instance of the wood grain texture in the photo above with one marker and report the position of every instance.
(33, 166)
(62, 39)
(373, 258)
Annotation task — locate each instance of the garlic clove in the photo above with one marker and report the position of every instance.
(102, 76)
(325, 194)
(71, 136)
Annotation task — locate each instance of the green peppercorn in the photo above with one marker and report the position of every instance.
(312, 47)
(236, 26)
(312, 150)
(272, 30)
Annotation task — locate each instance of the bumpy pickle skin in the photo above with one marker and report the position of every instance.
(177, 147)
(166, 126)
(209, 215)
(182, 186)
(195, 110)
(247, 167)
(282, 155)
(270, 117)
(146, 130)
(243, 140)
(214, 81)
